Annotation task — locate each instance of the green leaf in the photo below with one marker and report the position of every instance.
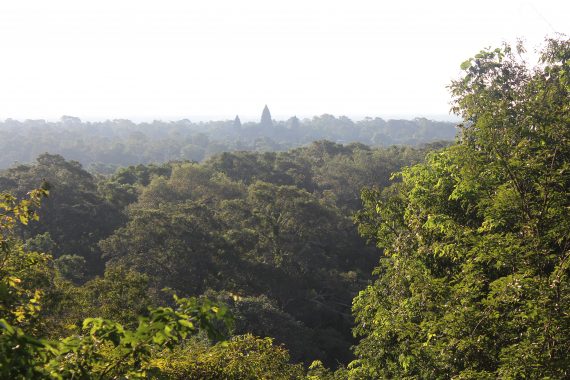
(466, 64)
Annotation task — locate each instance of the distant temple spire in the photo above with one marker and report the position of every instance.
(237, 122)
(266, 120)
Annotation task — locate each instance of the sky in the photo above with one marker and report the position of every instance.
(171, 59)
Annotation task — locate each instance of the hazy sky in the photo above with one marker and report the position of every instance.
(171, 59)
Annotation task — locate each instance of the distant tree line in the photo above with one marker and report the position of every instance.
(104, 146)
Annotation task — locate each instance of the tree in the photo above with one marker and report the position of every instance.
(474, 279)
(243, 357)
(266, 120)
(102, 349)
(294, 123)
(75, 215)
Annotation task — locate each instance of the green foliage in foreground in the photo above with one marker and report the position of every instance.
(162, 344)
(242, 357)
(474, 282)
(102, 348)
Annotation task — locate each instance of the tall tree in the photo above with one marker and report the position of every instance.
(474, 280)
(266, 120)
(75, 215)
(294, 122)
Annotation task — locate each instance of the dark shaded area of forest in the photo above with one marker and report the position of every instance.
(270, 234)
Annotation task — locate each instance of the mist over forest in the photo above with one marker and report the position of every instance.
(104, 146)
